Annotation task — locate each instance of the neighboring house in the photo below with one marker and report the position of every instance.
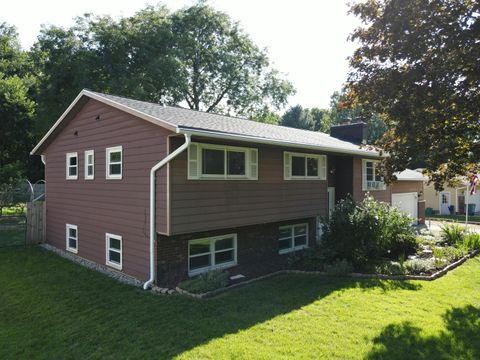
(408, 194)
(161, 193)
(440, 201)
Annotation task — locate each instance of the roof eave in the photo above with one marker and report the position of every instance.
(239, 137)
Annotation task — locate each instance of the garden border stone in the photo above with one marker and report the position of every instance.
(431, 277)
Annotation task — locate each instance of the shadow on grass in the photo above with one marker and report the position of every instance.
(55, 307)
(460, 339)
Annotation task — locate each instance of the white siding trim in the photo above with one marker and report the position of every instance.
(292, 238)
(67, 166)
(287, 166)
(211, 241)
(67, 238)
(379, 185)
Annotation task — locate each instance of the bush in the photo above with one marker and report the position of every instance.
(419, 266)
(390, 268)
(453, 234)
(471, 241)
(209, 281)
(312, 259)
(339, 267)
(448, 254)
(368, 231)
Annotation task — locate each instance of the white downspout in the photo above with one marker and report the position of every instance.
(153, 198)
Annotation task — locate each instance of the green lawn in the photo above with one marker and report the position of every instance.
(53, 309)
(459, 218)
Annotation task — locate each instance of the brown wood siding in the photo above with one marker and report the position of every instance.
(408, 186)
(202, 205)
(358, 193)
(99, 206)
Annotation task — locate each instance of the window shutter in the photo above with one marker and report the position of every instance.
(287, 165)
(193, 161)
(253, 164)
(323, 167)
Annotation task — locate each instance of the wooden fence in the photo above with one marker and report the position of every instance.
(36, 222)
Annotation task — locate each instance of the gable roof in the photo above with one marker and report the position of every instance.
(200, 123)
(410, 175)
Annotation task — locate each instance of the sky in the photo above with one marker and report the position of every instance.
(306, 39)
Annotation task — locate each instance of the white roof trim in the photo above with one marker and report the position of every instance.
(259, 140)
(110, 102)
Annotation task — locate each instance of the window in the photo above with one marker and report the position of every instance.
(72, 166)
(218, 162)
(114, 251)
(114, 162)
(292, 237)
(212, 253)
(304, 166)
(71, 238)
(89, 165)
(372, 180)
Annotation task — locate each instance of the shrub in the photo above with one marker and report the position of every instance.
(312, 259)
(471, 241)
(448, 254)
(339, 267)
(390, 268)
(453, 234)
(368, 231)
(419, 266)
(209, 281)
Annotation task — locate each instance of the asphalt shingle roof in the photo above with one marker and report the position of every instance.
(198, 120)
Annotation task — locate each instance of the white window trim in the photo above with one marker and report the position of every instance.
(87, 153)
(212, 252)
(292, 237)
(68, 157)
(67, 237)
(287, 166)
(251, 166)
(109, 150)
(381, 184)
(113, 264)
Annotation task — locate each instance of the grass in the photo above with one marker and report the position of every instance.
(460, 218)
(51, 308)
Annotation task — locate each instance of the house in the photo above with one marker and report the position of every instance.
(440, 202)
(161, 193)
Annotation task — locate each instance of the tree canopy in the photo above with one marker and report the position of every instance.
(418, 66)
(196, 56)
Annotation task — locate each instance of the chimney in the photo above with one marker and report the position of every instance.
(355, 133)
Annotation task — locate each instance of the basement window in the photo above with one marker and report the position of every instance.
(292, 238)
(114, 165)
(114, 251)
(71, 238)
(72, 166)
(212, 253)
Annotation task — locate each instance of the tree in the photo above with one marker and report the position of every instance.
(298, 117)
(17, 109)
(417, 65)
(220, 67)
(196, 56)
(322, 120)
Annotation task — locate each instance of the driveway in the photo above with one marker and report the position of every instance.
(435, 226)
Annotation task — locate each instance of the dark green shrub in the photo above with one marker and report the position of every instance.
(312, 259)
(209, 281)
(366, 232)
(339, 267)
(390, 268)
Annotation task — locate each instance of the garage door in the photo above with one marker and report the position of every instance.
(406, 202)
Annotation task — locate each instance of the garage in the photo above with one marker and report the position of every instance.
(407, 202)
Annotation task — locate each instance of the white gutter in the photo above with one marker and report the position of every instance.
(255, 139)
(153, 198)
